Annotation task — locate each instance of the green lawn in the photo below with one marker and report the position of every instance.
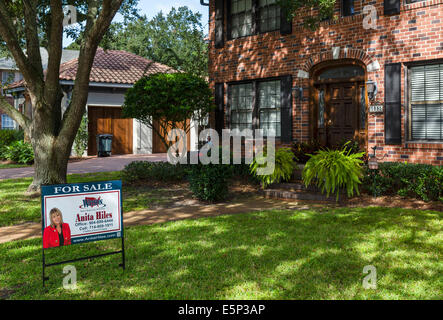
(16, 207)
(12, 165)
(268, 255)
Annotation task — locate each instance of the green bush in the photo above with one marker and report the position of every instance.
(81, 139)
(333, 170)
(285, 164)
(407, 180)
(210, 182)
(9, 136)
(154, 171)
(19, 152)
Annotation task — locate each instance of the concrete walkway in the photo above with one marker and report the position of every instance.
(114, 163)
(190, 211)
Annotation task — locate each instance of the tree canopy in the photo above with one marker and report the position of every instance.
(169, 100)
(176, 39)
(296, 9)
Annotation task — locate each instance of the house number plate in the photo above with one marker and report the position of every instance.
(376, 108)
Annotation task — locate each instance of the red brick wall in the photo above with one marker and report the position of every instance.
(414, 35)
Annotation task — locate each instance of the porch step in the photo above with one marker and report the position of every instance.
(298, 191)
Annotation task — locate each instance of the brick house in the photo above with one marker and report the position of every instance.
(378, 81)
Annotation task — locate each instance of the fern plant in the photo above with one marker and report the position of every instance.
(332, 170)
(285, 163)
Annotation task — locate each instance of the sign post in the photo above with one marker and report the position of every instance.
(79, 213)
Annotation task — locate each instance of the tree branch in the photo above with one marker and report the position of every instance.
(8, 34)
(94, 32)
(21, 119)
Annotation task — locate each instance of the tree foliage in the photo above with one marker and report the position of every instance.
(176, 39)
(324, 9)
(169, 100)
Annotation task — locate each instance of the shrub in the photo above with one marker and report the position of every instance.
(284, 167)
(407, 180)
(9, 136)
(210, 182)
(332, 170)
(81, 139)
(19, 152)
(154, 171)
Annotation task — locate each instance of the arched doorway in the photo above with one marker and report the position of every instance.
(339, 102)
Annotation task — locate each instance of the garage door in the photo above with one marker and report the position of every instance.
(109, 120)
(158, 145)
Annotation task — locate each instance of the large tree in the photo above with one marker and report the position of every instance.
(25, 26)
(176, 39)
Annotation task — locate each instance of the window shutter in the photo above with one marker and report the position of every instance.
(392, 7)
(393, 103)
(286, 109)
(219, 22)
(285, 24)
(219, 108)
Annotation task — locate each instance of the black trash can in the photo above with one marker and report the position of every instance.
(104, 145)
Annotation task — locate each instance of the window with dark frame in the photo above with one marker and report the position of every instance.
(248, 17)
(426, 103)
(269, 104)
(241, 103)
(241, 18)
(269, 15)
(265, 104)
(347, 8)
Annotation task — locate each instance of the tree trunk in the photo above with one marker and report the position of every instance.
(50, 157)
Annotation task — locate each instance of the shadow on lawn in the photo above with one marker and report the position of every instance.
(268, 255)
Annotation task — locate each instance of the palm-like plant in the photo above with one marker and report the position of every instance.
(332, 170)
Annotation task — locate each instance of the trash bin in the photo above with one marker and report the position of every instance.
(104, 145)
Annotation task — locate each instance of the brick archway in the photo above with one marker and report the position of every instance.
(338, 53)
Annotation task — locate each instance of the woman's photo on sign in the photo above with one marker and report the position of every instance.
(57, 233)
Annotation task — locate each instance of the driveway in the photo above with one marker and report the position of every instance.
(114, 163)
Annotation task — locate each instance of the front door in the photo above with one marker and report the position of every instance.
(338, 114)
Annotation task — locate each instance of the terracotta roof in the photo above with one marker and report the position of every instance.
(111, 66)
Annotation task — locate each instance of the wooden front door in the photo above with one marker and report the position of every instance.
(109, 120)
(339, 108)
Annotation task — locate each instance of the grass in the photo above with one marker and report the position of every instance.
(16, 207)
(13, 165)
(307, 254)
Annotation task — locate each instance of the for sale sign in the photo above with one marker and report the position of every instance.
(81, 212)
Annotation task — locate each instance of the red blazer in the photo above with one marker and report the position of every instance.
(51, 239)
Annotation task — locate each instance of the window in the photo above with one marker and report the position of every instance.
(269, 13)
(347, 8)
(241, 102)
(7, 77)
(426, 103)
(248, 17)
(261, 110)
(241, 18)
(269, 100)
(7, 122)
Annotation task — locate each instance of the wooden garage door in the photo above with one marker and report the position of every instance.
(158, 146)
(109, 120)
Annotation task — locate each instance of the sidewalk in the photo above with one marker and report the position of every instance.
(146, 217)
(114, 163)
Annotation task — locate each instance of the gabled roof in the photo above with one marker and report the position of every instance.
(112, 67)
